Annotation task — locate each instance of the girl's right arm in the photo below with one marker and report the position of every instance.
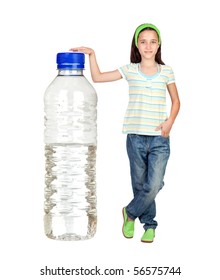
(97, 75)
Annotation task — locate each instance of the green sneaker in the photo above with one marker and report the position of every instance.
(148, 236)
(128, 226)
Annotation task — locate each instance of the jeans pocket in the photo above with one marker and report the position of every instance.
(165, 142)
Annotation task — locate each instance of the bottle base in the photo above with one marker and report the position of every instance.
(69, 228)
(69, 237)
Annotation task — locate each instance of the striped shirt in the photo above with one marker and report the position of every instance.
(147, 99)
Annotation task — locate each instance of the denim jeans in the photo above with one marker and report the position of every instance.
(148, 156)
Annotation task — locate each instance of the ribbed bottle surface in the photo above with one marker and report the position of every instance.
(70, 152)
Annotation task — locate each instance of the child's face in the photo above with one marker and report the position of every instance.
(148, 44)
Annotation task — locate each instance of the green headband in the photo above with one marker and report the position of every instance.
(143, 26)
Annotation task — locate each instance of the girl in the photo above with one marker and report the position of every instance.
(146, 123)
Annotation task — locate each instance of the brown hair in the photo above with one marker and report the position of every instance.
(135, 56)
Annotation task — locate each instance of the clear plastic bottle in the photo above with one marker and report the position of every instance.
(70, 149)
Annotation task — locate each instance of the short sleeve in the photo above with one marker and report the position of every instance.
(171, 77)
(124, 71)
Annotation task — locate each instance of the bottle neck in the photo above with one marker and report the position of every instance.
(70, 72)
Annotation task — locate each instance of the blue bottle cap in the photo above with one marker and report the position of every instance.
(70, 60)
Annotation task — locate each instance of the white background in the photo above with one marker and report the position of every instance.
(32, 32)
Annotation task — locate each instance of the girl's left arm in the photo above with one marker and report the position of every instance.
(166, 126)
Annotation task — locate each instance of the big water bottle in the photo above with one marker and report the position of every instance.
(70, 150)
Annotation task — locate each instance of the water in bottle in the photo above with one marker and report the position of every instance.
(70, 149)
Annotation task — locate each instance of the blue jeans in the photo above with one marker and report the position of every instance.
(148, 156)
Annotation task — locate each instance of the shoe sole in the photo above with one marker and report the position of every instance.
(123, 225)
(146, 241)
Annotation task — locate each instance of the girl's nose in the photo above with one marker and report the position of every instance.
(148, 45)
